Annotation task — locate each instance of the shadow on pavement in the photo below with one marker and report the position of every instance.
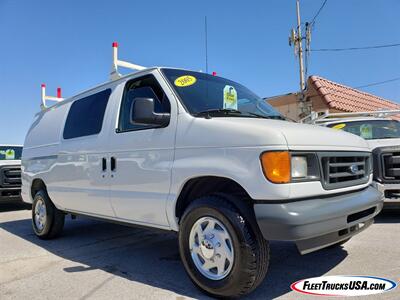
(4, 207)
(388, 216)
(152, 257)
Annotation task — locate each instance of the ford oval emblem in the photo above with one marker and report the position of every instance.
(353, 169)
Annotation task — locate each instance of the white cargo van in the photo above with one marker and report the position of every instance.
(205, 157)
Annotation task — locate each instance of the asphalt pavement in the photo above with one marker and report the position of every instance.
(98, 260)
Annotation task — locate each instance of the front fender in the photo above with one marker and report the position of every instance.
(240, 164)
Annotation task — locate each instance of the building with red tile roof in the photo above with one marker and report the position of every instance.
(324, 94)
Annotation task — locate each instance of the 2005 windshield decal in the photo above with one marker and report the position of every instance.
(343, 285)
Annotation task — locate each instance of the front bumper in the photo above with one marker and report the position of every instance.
(9, 195)
(391, 194)
(319, 222)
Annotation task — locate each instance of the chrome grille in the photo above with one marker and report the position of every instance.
(391, 165)
(345, 169)
(387, 164)
(10, 176)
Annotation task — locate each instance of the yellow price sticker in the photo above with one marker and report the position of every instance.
(185, 80)
(339, 126)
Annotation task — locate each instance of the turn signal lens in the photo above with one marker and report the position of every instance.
(276, 166)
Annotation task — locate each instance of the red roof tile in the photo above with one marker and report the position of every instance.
(348, 99)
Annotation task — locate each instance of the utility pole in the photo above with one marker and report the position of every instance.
(300, 42)
(296, 39)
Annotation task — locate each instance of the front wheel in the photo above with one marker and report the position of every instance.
(47, 220)
(224, 255)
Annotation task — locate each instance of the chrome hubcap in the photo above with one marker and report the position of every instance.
(211, 248)
(40, 214)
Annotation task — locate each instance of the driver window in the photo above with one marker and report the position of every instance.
(144, 87)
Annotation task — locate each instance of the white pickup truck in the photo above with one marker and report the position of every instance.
(10, 173)
(382, 135)
(205, 157)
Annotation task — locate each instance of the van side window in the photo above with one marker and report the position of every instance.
(86, 115)
(144, 87)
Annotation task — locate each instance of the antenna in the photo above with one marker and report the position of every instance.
(114, 75)
(58, 98)
(206, 46)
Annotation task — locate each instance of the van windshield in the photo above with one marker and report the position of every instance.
(371, 129)
(206, 95)
(10, 153)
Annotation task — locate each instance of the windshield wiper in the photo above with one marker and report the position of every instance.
(275, 117)
(226, 111)
(234, 112)
(387, 137)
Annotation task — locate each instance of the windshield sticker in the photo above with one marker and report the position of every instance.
(185, 80)
(339, 126)
(230, 97)
(8, 154)
(366, 131)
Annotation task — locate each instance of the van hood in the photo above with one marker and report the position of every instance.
(304, 135)
(236, 131)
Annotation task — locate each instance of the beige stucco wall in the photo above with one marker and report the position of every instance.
(287, 105)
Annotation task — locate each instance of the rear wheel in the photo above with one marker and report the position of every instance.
(222, 252)
(47, 220)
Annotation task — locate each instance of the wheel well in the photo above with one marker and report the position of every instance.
(36, 186)
(203, 186)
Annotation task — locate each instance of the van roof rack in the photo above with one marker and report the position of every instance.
(323, 117)
(45, 97)
(114, 75)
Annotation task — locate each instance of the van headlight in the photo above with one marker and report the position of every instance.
(305, 167)
(299, 166)
(285, 166)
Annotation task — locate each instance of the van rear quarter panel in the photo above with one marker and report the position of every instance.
(41, 147)
(56, 161)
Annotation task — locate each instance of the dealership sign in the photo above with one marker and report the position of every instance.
(343, 285)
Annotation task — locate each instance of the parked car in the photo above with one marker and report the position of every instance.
(383, 138)
(10, 173)
(204, 156)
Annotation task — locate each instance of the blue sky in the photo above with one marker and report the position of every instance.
(68, 44)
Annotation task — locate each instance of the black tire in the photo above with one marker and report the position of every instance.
(251, 250)
(339, 243)
(54, 223)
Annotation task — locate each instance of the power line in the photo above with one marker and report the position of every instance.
(377, 83)
(308, 28)
(356, 48)
(318, 12)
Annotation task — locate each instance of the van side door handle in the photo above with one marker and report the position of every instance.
(113, 163)
(104, 164)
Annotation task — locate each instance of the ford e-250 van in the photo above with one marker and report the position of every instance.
(205, 157)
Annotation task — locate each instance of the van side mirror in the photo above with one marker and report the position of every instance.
(142, 112)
